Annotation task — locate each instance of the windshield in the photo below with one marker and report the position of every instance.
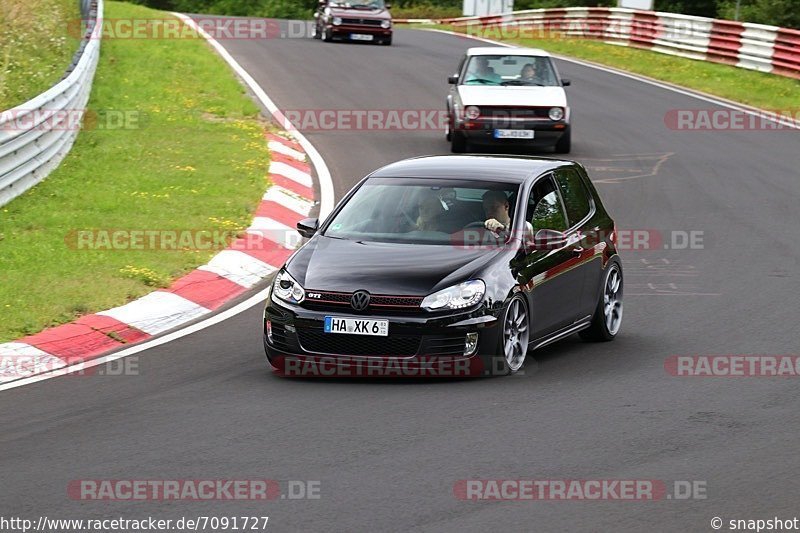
(510, 70)
(426, 211)
(360, 4)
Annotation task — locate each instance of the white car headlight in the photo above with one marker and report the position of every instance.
(555, 113)
(472, 112)
(456, 297)
(337, 21)
(287, 289)
(386, 24)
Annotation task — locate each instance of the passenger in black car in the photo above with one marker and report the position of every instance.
(430, 215)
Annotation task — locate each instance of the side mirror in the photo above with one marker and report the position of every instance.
(548, 239)
(387, 5)
(308, 227)
(322, 3)
(452, 80)
(566, 82)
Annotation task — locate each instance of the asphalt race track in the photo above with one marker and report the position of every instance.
(387, 453)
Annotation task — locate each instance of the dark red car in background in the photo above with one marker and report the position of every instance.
(360, 20)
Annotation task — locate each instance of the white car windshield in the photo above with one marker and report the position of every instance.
(510, 70)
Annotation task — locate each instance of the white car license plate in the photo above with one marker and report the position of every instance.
(360, 37)
(513, 134)
(356, 326)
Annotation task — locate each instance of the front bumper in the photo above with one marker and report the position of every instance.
(482, 132)
(418, 345)
(345, 31)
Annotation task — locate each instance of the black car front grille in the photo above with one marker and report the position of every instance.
(362, 22)
(513, 113)
(436, 346)
(279, 336)
(340, 301)
(316, 341)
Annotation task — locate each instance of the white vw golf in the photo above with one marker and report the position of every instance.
(508, 97)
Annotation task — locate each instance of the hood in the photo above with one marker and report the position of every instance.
(379, 14)
(328, 264)
(512, 95)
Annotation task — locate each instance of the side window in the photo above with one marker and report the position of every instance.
(574, 193)
(545, 210)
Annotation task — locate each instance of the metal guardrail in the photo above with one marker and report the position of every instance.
(752, 46)
(36, 135)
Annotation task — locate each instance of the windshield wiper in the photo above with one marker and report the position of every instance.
(520, 82)
(482, 80)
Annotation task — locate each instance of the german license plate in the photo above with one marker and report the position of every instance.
(360, 37)
(356, 326)
(513, 134)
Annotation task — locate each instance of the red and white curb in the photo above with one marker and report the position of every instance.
(264, 247)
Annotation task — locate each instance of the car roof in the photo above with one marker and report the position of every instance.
(483, 167)
(502, 50)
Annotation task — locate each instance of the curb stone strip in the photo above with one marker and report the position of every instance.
(246, 261)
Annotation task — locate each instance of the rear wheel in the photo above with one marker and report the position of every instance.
(607, 317)
(564, 144)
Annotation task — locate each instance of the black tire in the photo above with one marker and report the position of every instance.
(317, 34)
(327, 35)
(564, 144)
(500, 364)
(387, 41)
(458, 143)
(598, 331)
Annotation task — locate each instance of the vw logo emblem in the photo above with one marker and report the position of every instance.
(359, 300)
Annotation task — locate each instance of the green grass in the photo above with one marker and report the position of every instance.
(758, 89)
(36, 46)
(196, 159)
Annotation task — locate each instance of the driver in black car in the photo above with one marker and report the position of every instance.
(498, 219)
(495, 206)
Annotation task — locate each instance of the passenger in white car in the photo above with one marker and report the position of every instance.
(483, 73)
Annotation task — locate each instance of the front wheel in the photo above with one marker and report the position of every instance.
(387, 41)
(316, 34)
(458, 142)
(327, 35)
(607, 317)
(515, 336)
(564, 144)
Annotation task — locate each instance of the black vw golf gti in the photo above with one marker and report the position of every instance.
(465, 262)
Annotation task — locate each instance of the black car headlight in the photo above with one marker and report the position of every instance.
(287, 289)
(456, 297)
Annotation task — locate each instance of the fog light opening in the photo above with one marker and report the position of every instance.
(471, 344)
(269, 331)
